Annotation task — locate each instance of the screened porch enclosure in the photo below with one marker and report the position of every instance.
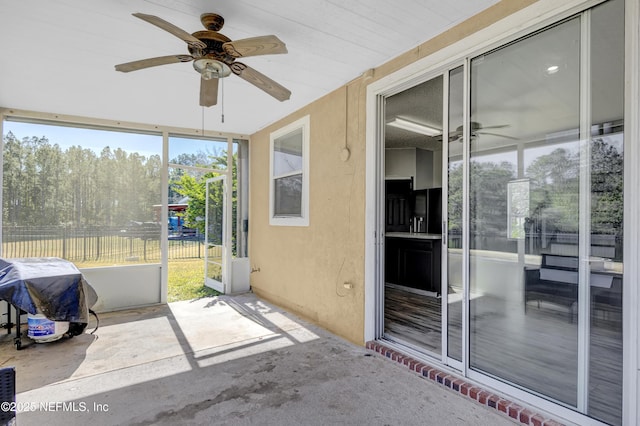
(93, 194)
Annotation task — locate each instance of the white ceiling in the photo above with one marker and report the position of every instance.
(59, 56)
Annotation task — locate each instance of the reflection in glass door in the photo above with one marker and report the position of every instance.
(545, 212)
(454, 223)
(605, 219)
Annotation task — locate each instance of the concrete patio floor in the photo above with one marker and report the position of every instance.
(228, 360)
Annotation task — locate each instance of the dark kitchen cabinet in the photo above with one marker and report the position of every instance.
(413, 262)
(398, 208)
(391, 260)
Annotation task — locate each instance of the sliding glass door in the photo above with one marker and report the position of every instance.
(532, 232)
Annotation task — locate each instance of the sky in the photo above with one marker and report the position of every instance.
(92, 139)
(96, 140)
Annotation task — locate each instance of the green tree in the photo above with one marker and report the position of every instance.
(488, 208)
(607, 179)
(46, 186)
(194, 188)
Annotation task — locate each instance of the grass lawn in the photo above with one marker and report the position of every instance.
(186, 280)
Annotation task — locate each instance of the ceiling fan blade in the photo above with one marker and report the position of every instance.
(261, 81)
(169, 27)
(152, 62)
(264, 45)
(497, 126)
(496, 134)
(208, 92)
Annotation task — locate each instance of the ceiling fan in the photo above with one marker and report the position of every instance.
(478, 129)
(214, 56)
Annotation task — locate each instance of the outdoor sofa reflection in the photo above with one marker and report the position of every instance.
(556, 282)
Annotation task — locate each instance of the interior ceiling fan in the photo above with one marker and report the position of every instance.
(214, 56)
(478, 129)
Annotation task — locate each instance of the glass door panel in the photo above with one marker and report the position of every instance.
(524, 193)
(455, 293)
(215, 234)
(606, 206)
(413, 216)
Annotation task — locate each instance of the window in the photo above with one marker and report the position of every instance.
(289, 175)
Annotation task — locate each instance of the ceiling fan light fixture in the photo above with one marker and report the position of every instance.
(411, 126)
(210, 68)
(552, 69)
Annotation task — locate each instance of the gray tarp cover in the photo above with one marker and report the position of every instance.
(47, 285)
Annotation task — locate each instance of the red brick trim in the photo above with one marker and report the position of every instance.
(525, 415)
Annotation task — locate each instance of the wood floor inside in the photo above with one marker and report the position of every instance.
(536, 350)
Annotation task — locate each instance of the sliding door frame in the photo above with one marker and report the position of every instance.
(527, 21)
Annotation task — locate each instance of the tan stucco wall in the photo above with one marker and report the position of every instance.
(304, 269)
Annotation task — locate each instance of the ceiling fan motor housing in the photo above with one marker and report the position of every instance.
(214, 50)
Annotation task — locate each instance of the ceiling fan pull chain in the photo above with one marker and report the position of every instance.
(222, 98)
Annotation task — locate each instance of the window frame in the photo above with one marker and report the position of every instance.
(302, 220)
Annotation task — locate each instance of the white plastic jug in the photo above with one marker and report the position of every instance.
(42, 329)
